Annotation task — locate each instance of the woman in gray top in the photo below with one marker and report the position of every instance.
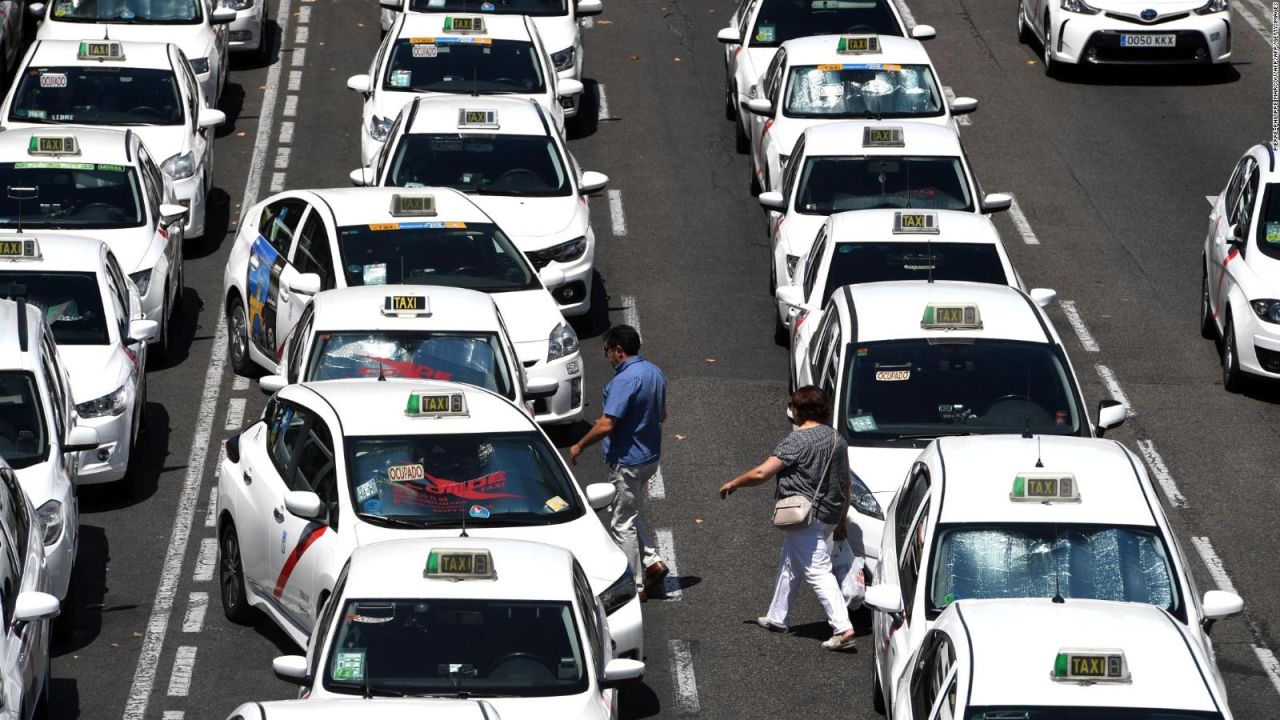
(798, 462)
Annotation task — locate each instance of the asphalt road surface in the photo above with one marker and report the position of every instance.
(1110, 172)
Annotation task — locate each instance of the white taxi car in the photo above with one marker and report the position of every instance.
(1045, 517)
(456, 54)
(101, 184)
(147, 87)
(1099, 32)
(338, 464)
(1240, 286)
(196, 26)
(823, 78)
(389, 708)
(508, 157)
(248, 33)
(425, 332)
(912, 360)
(757, 28)
(387, 236)
(91, 308)
(1081, 659)
(865, 246)
(557, 22)
(512, 622)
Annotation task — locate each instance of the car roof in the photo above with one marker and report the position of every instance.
(362, 206)
(431, 25)
(361, 308)
(524, 570)
(893, 310)
(1016, 666)
(821, 49)
(844, 138)
(367, 408)
(65, 53)
(12, 355)
(978, 474)
(516, 115)
(954, 226)
(58, 253)
(96, 145)
(388, 709)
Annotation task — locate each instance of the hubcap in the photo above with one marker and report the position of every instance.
(239, 347)
(1229, 351)
(230, 571)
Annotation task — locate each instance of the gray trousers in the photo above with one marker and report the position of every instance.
(625, 525)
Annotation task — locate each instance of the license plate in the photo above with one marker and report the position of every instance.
(1148, 40)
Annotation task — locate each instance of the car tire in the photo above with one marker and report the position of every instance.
(238, 338)
(1233, 379)
(1208, 328)
(1052, 68)
(131, 485)
(741, 143)
(263, 53)
(160, 351)
(754, 187)
(730, 102)
(781, 333)
(42, 705)
(235, 603)
(877, 694)
(62, 628)
(1025, 36)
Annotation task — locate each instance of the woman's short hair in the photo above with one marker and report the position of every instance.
(810, 403)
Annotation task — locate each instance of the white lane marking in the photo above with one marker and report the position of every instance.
(235, 413)
(240, 384)
(282, 157)
(206, 561)
(295, 80)
(265, 117)
(299, 57)
(951, 97)
(1213, 199)
(1253, 21)
(1214, 563)
(616, 215)
(211, 515)
(588, 23)
(631, 316)
(1020, 222)
(1218, 572)
(174, 714)
(197, 604)
(304, 15)
(286, 133)
(686, 682)
(667, 551)
(1077, 323)
(905, 12)
(1161, 473)
(184, 664)
(302, 35)
(657, 488)
(1108, 378)
(277, 182)
(602, 102)
(290, 106)
(1269, 664)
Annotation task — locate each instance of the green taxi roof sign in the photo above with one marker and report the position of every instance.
(858, 44)
(915, 222)
(406, 305)
(1044, 487)
(951, 316)
(100, 50)
(483, 119)
(459, 564)
(413, 205)
(424, 403)
(53, 145)
(884, 136)
(1088, 666)
(464, 24)
(13, 249)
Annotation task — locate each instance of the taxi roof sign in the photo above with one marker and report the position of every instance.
(19, 249)
(883, 137)
(858, 44)
(413, 205)
(459, 564)
(53, 145)
(423, 403)
(951, 316)
(917, 222)
(1044, 487)
(487, 119)
(406, 305)
(100, 50)
(1087, 666)
(464, 24)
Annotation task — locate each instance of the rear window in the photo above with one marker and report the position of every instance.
(54, 195)
(463, 65)
(855, 263)
(71, 302)
(782, 20)
(23, 440)
(97, 95)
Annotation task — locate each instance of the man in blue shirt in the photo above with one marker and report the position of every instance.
(635, 406)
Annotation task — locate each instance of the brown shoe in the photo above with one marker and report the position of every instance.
(654, 574)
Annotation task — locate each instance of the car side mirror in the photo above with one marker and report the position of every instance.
(31, 606)
(392, 4)
(963, 105)
(141, 331)
(363, 177)
(619, 671)
(540, 388)
(36, 9)
(772, 200)
(211, 117)
(1219, 604)
(760, 106)
(1111, 414)
(1235, 236)
(551, 277)
(305, 283)
(81, 438)
(601, 495)
(360, 83)
(923, 32)
(271, 384)
(170, 213)
(792, 295)
(729, 36)
(1043, 297)
(568, 87)
(587, 8)
(222, 16)
(884, 598)
(592, 182)
(304, 504)
(291, 669)
(996, 202)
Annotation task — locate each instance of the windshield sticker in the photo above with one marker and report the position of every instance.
(53, 80)
(366, 490)
(891, 67)
(893, 375)
(37, 114)
(1273, 232)
(405, 473)
(440, 494)
(863, 423)
(862, 352)
(349, 665)
(400, 78)
(478, 511)
(375, 274)
(64, 117)
(402, 368)
(412, 184)
(62, 9)
(369, 619)
(830, 90)
(425, 51)
(556, 504)
(52, 166)
(766, 33)
(487, 6)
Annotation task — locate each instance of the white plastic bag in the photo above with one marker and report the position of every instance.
(847, 567)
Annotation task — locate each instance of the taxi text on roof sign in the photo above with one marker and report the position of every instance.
(487, 119)
(951, 316)
(908, 222)
(406, 205)
(23, 249)
(858, 44)
(423, 403)
(100, 50)
(1044, 487)
(467, 564)
(53, 145)
(406, 305)
(464, 24)
(1087, 666)
(883, 137)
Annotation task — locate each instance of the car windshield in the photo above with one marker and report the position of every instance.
(1269, 223)
(464, 65)
(439, 480)
(1020, 712)
(853, 263)
(534, 8)
(71, 301)
(835, 184)
(472, 358)
(57, 195)
(163, 12)
(467, 255)
(782, 20)
(1089, 562)
(447, 646)
(23, 441)
(523, 165)
(862, 90)
(920, 388)
(97, 95)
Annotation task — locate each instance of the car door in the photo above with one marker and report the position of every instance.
(759, 123)
(310, 253)
(201, 139)
(931, 680)
(266, 452)
(776, 217)
(897, 628)
(30, 638)
(268, 257)
(297, 348)
(1239, 216)
(306, 544)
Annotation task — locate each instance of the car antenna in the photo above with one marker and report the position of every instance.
(464, 523)
(368, 691)
(381, 376)
(19, 194)
(1039, 456)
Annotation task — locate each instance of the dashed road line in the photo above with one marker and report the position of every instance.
(235, 413)
(174, 715)
(299, 57)
(588, 23)
(1214, 563)
(302, 35)
(211, 515)
(1108, 378)
(206, 561)
(1161, 472)
(602, 102)
(1253, 21)
(1077, 323)
(616, 215)
(631, 316)
(1020, 222)
(184, 664)
(286, 133)
(197, 604)
(657, 488)
(686, 682)
(950, 95)
(282, 157)
(304, 14)
(290, 106)
(667, 550)
(1218, 573)
(240, 383)
(295, 80)
(277, 182)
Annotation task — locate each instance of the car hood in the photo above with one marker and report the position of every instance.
(530, 316)
(535, 223)
(95, 370)
(164, 141)
(882, 469)
(756, 61)
(133, 247)
(797, 232)
(1133, 7)
(558, 32)
(195, 41)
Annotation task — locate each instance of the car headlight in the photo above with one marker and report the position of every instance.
(236, 5)
(1079, 6)
(200, 65)
(563, 341)
(180, 167)
(1213, 6)
(563, 60)
(862, 500)
(564, 252)
(142, 279)
(113, 403)
(50, 515)
(619, 593)
(379, 128)
(1268, 310)
(791, 265)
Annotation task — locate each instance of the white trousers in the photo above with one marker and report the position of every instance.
(804, 553)
(625, 525)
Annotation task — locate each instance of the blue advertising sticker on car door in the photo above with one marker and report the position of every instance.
(263, 286)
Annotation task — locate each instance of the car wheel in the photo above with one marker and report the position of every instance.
(877, 694)
(1232, 376)
(238, 338)
(741, 143)
(235, 605)
(1024, 28)
(730, 101)
(781, 333)
(264, 43)
(160, 351)
(42, 705)
(754, 188)
(1208, 329)
(1051, 66)
(181, 283)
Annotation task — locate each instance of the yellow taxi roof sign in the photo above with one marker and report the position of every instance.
(1090, 665)
(100, 50)
(951, 316)
(469, 118)
(425, 403)
(858, 44)
(466, 24)
(1044, 487)
(19, 249)
(915, 222)
(883, 136)
(53, 145)
(413, 205)
(459, 564)
(406, 305)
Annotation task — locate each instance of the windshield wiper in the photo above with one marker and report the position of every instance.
(930, 436)
(463, 695)
(392, 520)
